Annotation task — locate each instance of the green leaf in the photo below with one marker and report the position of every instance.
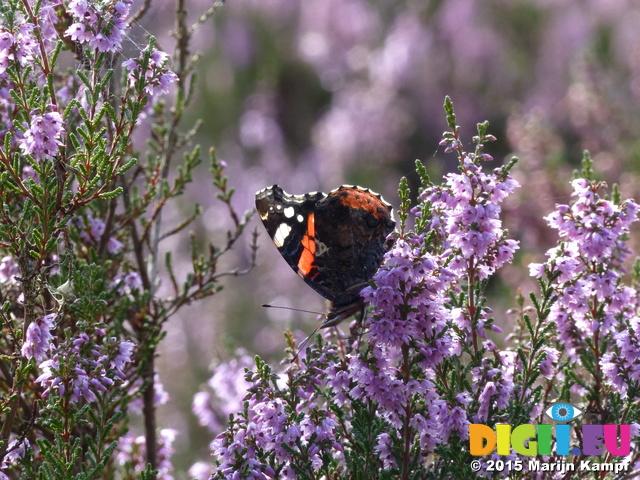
(124, 168)
(112, 194)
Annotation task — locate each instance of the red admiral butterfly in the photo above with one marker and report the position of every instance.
(335, 242)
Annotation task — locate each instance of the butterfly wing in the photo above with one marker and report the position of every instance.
(290, 222)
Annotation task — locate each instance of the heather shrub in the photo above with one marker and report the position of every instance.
(102, 246)
(396, 399)
(87, 146)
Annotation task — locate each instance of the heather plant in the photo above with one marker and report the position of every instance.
(93, 158)
(395, 398)
(87, 144)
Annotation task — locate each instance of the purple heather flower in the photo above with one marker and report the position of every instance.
(15, 452)
(592, 224)
(495, 384)
(548, 366)
(408, 278)
(429, 430)
(49, 378)
(228, 389)
(160, 395)
(38, 337)
(124, 356)
(89, 368)
(589, 262)
(165, 452)
(200, 471)
(450, 144)
(127, 283)
(384, 451)
(81, 386)
(622, 366)
(114, 246)
(95, 230)
(612, 367)
(157, 77)
(47, 20)
(78, 33)
(410, 315)
(42, 138)
(489, 391)
(6, 42)
(102, 29)
(270, 425)
(18, 46)
(131, 451)
(201, 406)
(8, 270)
(456, 421)
(465, 215)
(29, 172)
(92, 230)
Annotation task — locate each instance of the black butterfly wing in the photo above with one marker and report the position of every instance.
(290, 222)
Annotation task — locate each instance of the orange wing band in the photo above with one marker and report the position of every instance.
(306, 263)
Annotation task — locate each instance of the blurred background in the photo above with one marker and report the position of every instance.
(312, 94)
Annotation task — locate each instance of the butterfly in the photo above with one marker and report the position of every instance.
(336, 242)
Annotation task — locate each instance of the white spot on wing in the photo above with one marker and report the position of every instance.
(281, 234)
(289, 212)
(300, 218)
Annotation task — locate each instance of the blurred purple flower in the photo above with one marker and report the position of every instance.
(160, 395)
(239, 43)
(38, 337)
(131, 452)
(228, 389)
(330, 29)
(6, 42)
(29, 172)
(15, 452)
(101, 27)
(127, 283)
(362, 122)
(43, 137)
(157, 77)
(200, 471)
(92, 230)
(124, 356)
(8, 270)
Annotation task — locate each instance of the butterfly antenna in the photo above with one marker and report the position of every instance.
(304, 342)
(266, 305)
